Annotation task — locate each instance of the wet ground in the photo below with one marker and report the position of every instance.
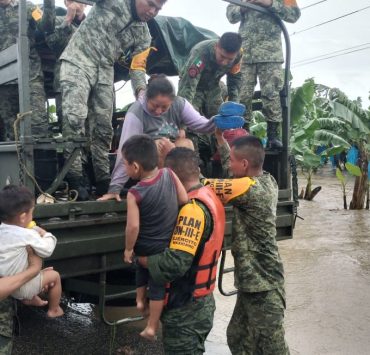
(327, 267)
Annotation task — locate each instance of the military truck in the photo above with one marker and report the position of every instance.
(90, 234)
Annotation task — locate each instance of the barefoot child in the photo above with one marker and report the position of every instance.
(152, 207)
(16, 209)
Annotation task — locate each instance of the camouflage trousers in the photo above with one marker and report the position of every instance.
(6, 326)
(9, 108)
(88, 93)
(207, 102)
(256, 326)
(185, 329)
(270, 77)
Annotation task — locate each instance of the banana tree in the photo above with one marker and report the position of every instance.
(313, 126)
(357, 123)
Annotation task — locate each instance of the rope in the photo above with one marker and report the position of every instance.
(20, 116)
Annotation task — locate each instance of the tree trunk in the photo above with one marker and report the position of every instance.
(367, 197)
(345, 201)
(307, 193)
(314, 192)
(360, 188)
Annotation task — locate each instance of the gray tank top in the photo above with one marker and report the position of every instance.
(158, 206)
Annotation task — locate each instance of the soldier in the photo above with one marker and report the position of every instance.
(7, 286)
(256, 326)
(9, 98)
(262, 57)
(86, 77)
(190, 263)
(200, 79)
(58, 30)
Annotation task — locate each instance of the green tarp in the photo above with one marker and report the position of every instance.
(174, 37)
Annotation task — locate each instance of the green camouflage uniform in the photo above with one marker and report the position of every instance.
(185, 328)
(9, 105)
(201, 75)
(263, 55)
(57, 33)
(200, 85)
(6, 326)
(256, 326)
(86, 76)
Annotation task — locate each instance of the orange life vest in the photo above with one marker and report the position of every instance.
(201, 278)
(207, 266)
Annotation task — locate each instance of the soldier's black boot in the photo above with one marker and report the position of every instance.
(76, 183)
(102, 187)
(272, 136)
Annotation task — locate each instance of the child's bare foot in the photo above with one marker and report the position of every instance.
(149, 333)
(55, 312)
(35, 301)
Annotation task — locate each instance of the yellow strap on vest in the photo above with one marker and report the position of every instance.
(227, 189)
(290, 3)
(189, 228)
(37, 14)
(139, 60)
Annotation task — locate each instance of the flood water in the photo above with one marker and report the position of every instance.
(327, 269)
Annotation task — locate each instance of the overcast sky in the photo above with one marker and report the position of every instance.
(350, 72)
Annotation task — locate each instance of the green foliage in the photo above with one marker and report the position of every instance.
(340, 176)
(353, 169)
(52, 113)
(258, 125)
(326, 137)
(301, 100)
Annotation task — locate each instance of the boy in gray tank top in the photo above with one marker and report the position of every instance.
(152, 207)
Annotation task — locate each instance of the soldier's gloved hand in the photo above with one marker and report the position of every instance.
(110, 196)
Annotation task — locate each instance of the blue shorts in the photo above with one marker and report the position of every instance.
(156, 292)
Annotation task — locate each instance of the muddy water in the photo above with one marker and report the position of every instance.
(328, 276)
(327, 267)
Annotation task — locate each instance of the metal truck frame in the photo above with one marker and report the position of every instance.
(90, 244)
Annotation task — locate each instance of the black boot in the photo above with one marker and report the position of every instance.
(102, 187)
(272, 136)
(76, 183)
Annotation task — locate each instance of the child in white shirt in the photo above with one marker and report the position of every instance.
(16, 209)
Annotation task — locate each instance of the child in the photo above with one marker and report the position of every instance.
(16, 209)
(152, 207)
(257, 320)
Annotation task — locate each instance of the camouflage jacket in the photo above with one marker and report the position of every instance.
(9, 27)
(261, 35)
(56, 31)
(202, 73)
(258, 266)
(109, 30)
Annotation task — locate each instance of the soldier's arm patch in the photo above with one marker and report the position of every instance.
(228, 189)
(37, 14)
(139, 60)
(189, 228)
